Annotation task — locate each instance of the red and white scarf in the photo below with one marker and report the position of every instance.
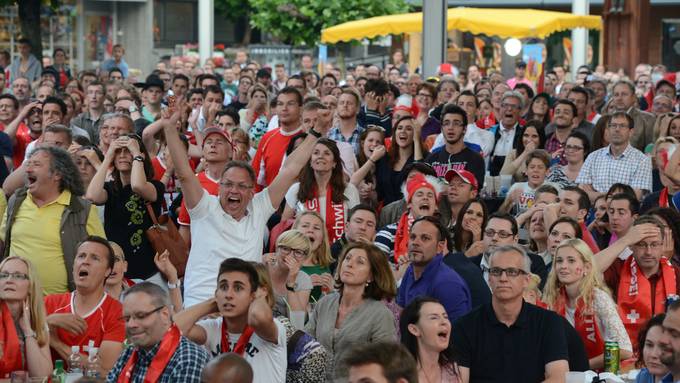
(585, 324)
(401, 237)
(160, 361)
(12, 359)
(335, 214)
(634, 296)
(243, 340)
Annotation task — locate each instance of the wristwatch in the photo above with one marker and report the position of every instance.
(138, 158)
(291, 288)
(132, 108)
(173, 286)
(314, 133)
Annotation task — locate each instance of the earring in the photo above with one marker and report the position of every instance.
(368, 283)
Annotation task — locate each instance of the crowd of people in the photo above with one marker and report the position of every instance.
(369, 225)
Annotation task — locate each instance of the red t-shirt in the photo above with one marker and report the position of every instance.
(23, 138)
(103, 323)
(269, 156)
(210, 185)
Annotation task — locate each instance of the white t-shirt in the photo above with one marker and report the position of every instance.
(351, 199)
(473, 134)
(528, 196)
(217, 236)
(268, 360)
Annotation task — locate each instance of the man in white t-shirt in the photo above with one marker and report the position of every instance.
(231, 224)
(246, 325)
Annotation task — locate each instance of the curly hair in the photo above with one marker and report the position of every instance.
(62, 164)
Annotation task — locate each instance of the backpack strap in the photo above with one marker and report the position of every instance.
(292, 342)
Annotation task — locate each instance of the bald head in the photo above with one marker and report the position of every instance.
(227, 368)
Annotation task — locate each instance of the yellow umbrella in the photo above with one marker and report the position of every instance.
(505, 23)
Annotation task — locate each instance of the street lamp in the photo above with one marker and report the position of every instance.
(512, 47)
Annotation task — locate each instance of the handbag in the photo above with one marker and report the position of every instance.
(163, 235)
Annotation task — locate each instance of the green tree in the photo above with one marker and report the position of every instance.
(29, 20)
(234, 10)
(301, 21)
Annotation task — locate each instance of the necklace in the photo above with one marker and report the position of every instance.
(435, 375)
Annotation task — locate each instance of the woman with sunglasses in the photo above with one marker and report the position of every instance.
(576, 291)
(291, 285)
(24, 339)
(126, 217)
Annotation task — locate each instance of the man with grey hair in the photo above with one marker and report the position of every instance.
(52, 196)
(114, 125)
(662, 104)
(512, 104)
(159, 352)
(509, 339)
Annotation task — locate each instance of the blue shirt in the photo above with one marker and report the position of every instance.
(109, 64)
(645, 377)
(440, 282)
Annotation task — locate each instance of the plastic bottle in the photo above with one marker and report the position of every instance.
(59, 374)
(93, 363)
(75, 365)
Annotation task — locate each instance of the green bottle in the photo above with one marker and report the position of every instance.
(59, 374)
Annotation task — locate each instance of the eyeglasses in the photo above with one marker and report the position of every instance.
(492, 232)
(15, 276)
(648, 246)
(239, 187)
(287, 250)
(510, 271)
(617, 126)
(140, 316)
(573, 148)
(424, 95)
(509, 106)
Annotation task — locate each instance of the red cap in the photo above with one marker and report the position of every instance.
(211, 131)
(418, 181)
(445, 68)
(467, 177)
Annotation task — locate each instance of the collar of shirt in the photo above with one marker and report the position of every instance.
(521, 320)
(625, 153)
(430, 270)
(63, 199)
(506, 131)
(145, 356)
(88, 116)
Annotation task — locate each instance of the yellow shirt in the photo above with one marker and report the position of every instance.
(36, 237)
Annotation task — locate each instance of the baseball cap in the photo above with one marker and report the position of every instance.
(467, 177)
(221, 132)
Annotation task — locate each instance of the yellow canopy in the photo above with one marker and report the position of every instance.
(505, 23)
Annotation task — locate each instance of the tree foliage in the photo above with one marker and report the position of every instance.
(301, 21)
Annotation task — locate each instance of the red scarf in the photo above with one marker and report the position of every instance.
(634, 296)
(243, 340)
(335, 214)
(401, 237)
(584, 323)
(11, 351)
(166, 350)
(663, 198)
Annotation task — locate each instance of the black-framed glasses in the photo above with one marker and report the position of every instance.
(502, 234)
(15, 276)
(510, 271)
(141, 316)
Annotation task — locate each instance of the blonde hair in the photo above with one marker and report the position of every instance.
(295, 240)
(263, 280)
(588, 284)
(322, 255)
(35, 301)
(534, 283)
(117, 250)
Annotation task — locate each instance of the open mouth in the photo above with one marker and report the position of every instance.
(83, 274)
(31, 179)
(443, 336)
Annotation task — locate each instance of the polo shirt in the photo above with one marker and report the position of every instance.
(495, 352)
(41, 243)
(440, 282)
(601, 169)
(217, 236)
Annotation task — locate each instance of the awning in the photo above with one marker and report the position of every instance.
(504, 23)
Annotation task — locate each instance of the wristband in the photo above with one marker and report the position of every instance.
(174, 285)
(314, 133)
